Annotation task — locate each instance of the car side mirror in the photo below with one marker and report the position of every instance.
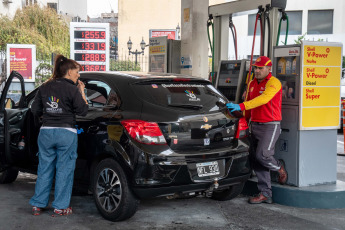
(9, 103)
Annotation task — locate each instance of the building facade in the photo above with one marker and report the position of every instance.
(314, 20)
(137, 18)
(75, 10)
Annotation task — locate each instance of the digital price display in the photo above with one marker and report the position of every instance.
(89, 57)
(90, 45)
(89, 34)
(93, 68)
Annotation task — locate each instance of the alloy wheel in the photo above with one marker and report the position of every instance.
(109, 189)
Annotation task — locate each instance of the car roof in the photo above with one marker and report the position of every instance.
(135, 76)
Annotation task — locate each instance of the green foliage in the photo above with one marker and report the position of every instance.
(43, 72)
(300, 38)
(343, 61)
(39, 26)
(116, 65)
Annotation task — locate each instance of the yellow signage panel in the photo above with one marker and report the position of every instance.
(321, 96)
(320, 117)
(157, 49)
(321, 76)
(322, 55)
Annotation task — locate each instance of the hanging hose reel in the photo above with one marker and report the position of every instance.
(210, 23)
(283, 18)
(234, 34)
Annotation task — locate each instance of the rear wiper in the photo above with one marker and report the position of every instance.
(186, 106)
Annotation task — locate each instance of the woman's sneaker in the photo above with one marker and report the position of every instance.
(62, 212)
(36, 211)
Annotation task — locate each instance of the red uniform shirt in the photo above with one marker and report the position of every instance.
(264, 100)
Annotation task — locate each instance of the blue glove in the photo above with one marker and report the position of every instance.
(233, 107)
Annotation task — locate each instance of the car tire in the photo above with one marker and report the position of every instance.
(229, 193)
(114, 201)
(8, 176)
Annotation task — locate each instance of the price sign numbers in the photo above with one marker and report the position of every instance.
(89, 45)
(89, 34)
(90, 57)
(92, 67)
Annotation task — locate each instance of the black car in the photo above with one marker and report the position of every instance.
(145, 135)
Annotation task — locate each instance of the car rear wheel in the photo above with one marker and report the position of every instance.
(113, 197)
(8, 176)
(229, 193)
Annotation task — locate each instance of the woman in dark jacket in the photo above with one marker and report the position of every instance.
(58, 101)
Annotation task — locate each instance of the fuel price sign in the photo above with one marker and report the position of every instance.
(90, 45)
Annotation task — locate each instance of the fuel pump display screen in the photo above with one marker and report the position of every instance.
(229, 73)
(90, 45)
(230, 80)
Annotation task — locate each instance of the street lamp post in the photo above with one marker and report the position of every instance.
(136, 52)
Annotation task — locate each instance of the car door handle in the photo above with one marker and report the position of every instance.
(20, 116)
(93, 129)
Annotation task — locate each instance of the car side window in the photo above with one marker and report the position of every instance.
(100, 94)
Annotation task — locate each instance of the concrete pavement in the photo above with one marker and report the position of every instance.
(161, 213)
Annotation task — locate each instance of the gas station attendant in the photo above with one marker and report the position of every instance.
(263, 109)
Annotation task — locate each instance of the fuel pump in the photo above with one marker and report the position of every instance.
(233, 75)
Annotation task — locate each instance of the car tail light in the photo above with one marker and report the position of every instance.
(242, 129)
(144, 132)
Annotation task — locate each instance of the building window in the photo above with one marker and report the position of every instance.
(251, 25)
(295, 23)
(31, 2)
(52, 6)
(320, 22)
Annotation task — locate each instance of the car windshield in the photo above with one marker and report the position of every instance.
(184, 95)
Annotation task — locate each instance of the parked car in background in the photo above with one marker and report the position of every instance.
(145, 135)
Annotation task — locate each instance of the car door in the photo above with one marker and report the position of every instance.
(12, 118)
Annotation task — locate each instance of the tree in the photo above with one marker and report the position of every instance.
(39, 26)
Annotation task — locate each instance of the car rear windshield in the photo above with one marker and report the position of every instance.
(181, 95)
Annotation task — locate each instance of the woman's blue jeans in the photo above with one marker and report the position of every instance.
(57, 155)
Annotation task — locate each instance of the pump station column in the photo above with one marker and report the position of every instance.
(310, 76)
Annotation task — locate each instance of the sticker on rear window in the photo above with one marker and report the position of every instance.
(182, 85)
(192, 96)
(154, 86)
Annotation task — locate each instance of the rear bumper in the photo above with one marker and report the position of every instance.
(146, 192)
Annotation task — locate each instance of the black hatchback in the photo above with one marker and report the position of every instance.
(145, 135)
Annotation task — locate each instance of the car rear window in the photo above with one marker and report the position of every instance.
(181, 95)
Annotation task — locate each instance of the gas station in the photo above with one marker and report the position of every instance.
(310, 75)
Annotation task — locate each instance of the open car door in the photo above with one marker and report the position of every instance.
(12, 118)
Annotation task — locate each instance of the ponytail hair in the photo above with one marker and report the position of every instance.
(62, 65)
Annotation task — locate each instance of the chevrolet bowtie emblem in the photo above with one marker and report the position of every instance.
(206, 127)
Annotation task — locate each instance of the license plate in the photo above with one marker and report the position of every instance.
(208, 169)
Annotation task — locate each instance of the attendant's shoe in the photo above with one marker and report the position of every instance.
(260, 198)
(283, 176)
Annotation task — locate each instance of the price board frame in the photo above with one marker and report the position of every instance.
(90, 45)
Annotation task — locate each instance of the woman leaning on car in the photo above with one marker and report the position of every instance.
(57, 102)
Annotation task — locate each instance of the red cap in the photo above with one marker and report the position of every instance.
(262, 61)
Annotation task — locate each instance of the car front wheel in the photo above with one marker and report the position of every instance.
(113, 197)
(228, 194)
(8, 176)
